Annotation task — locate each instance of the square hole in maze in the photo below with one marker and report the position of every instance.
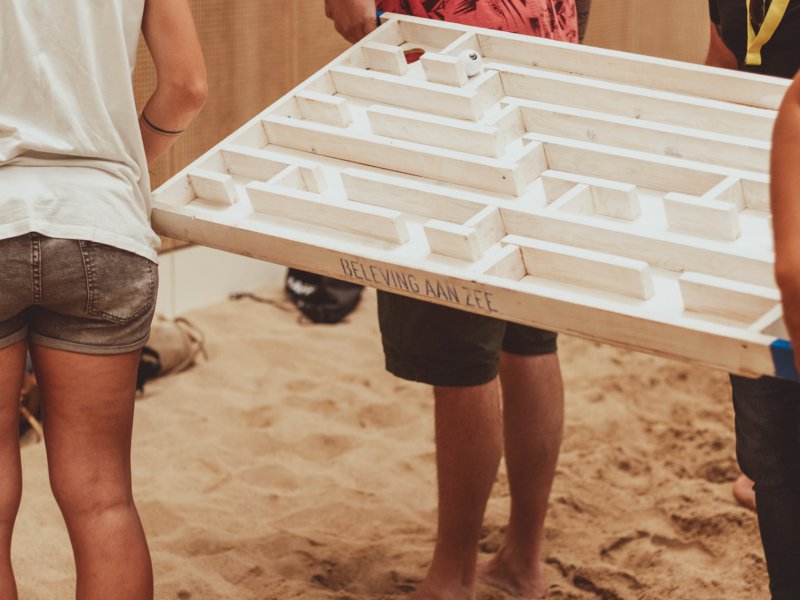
(398, 52)
(590, 196)
(721, 297)
(469, 241)
(413, 40)
(273, 167)
(734, 210)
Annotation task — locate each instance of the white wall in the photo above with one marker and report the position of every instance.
(195, 276)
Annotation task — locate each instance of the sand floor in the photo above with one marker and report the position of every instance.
(291, 465)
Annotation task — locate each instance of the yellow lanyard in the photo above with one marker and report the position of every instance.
(771, 21)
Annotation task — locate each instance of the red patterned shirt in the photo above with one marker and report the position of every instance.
(554, 19)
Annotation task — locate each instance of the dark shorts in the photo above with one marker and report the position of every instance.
(75, 295)
(768, 448)
(444, 346)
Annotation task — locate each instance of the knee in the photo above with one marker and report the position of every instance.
(9, 507)
(83, 496)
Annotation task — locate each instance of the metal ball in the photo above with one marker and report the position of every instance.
(472, 61)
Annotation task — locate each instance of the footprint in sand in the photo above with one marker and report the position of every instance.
(301, 385)
(203, 544)
(356, 379)
(308, 403)
(600, 582)
(722, 470)
(711, 526)
(646, 550)
(260, 417)
(324, 447)
(385, 416)
(157, 516)
(273, 476)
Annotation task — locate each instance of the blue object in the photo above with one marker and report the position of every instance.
(783, 359)
(378, 17)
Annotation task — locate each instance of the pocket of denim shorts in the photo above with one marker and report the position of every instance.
(121, 285)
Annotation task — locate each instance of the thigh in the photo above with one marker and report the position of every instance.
(95, 299)
(87, 410)
(767, 429)
(438, 345)
(93, 316)
(12, 368)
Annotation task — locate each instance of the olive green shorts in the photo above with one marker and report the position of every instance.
(443, 346)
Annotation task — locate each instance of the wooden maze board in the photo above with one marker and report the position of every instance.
(602, 194)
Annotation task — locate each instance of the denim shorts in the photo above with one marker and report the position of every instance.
(75, 295)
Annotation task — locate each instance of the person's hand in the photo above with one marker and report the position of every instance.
(353, 19)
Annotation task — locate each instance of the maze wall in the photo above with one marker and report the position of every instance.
(603, 194)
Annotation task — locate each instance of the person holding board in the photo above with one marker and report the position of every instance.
(763, 36)
(461, 354)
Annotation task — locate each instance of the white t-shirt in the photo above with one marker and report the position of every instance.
(72, 164)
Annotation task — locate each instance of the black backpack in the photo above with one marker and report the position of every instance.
(322, 299)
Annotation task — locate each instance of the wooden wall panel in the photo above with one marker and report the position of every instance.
(676, 29)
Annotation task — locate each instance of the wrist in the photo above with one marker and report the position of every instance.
(160, 130)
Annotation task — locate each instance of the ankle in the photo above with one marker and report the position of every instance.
(447, 582)
(520, 560)
(517, 576)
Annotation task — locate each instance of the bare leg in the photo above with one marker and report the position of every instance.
(533, 422)
(468, 450)
(12, 368)
(88, 417)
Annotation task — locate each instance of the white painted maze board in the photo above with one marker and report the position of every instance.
(607, 195)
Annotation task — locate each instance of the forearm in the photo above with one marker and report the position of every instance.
(785, 187)
(785, 199)
(169, 111)
(181, 91)
(719, 55)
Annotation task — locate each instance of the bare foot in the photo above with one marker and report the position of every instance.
(743, 492)
(430, 589)
(519, 583)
